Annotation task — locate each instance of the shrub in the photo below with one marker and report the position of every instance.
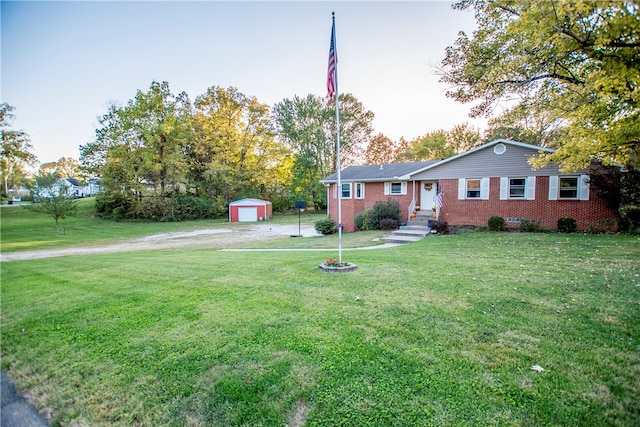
(531, 226)
(383, 210)
(496, 223)
(607, 225)
(630, 219)
(604, 225)
(441, 227)
(326, 226)
(388, 224)
(112, 206)
(567, 225)
(361, 221)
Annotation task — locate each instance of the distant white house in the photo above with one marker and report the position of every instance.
(91, 188)
(71, 187)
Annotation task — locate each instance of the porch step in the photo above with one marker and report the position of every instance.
(408, 233)
(423, 216)
(392, 238)
(412, 230)
(415, 230)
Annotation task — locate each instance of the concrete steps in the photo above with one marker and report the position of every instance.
(415, 230)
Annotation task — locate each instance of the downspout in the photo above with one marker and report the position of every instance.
(413, 196)
(328, 198)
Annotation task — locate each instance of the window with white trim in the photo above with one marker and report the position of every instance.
(517, 188)
(359, 190)
(568, 187)
(473, 188)
(395, 188)
(346, 191)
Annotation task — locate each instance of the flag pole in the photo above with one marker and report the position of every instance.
(338, 163)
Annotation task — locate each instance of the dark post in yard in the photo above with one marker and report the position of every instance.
(300, 206)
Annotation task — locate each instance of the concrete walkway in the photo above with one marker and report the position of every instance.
(15, 410)
(364, 248)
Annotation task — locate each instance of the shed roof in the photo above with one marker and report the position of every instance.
(249, 202)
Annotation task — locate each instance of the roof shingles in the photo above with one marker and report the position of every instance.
(384, 172)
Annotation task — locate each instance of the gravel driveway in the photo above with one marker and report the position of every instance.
(219, 238)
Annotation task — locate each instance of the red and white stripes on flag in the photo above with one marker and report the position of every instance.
(333, 60)
(439, 198)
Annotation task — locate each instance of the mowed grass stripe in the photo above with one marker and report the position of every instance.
(440, 332)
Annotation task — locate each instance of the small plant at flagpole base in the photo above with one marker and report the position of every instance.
(333, 265)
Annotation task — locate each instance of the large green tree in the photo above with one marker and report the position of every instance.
(139, 150)
(161, 157)
(431, 146)
(233, 152)
(300, 125)
(381, 150)
(570, 65)
(356, 128)
(441, 144)
(307, 127)
(16, 151)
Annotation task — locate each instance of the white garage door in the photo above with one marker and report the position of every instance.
(247, 214)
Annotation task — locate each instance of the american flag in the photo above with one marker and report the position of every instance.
(333, 59)
(439, 198)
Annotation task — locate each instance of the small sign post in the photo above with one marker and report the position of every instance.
(300, 205)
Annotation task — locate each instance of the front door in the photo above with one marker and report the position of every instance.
(428, 195)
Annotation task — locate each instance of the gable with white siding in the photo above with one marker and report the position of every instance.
(500, 158)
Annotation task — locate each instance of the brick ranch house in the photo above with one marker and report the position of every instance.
(494, 179)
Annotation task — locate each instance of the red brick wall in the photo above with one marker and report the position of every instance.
(373, 191)
(478, 212)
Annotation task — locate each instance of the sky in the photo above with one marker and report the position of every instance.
(64, 63)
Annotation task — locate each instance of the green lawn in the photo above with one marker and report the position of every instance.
(440, 332)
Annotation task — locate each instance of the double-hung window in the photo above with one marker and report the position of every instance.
(395, 188)
(473, 188)
(568, 187)
(517, 188)
(345, 192)
(574, 187)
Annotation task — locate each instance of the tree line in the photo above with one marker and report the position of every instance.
(161, 156)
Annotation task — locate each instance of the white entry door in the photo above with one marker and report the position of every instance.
(428, 195)
(248, 214)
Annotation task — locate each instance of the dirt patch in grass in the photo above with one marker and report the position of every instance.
(211, 238)
(299, 415)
